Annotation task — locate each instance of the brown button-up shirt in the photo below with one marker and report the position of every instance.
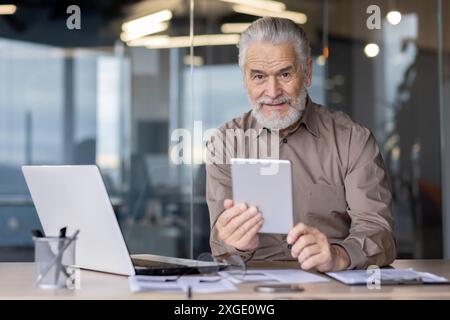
(340, 185)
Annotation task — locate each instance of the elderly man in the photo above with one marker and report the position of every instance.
(341, 193)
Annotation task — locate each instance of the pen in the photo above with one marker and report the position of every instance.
(289, 246)
(62, 235)
(37, 233)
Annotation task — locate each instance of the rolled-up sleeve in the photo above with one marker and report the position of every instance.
(371, 239)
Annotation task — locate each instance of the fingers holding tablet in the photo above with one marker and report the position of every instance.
(245, 226)
(251, 238)
(239, 225)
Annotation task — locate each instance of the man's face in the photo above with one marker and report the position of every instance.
(275, 83)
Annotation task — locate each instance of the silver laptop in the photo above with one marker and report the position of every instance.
(75, 197)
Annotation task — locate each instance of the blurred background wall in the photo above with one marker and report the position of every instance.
(111, 94)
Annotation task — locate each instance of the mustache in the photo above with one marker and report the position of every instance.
(277, 100)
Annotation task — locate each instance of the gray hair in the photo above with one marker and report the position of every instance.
(277, 31)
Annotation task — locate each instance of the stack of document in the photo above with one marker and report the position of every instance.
(224, 282)
(387, 276)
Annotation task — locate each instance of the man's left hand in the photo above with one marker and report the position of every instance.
(312, 250)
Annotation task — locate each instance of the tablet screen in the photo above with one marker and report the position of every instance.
(266, 184)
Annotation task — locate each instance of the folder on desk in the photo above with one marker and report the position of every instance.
(387, 277)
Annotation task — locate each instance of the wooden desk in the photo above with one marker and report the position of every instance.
(16, 282)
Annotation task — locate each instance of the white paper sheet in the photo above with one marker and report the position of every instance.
(247, 277)
(202, 285)
(354, 277)
(295, 276)
(198, 284)
(141, 284)
(275, 275)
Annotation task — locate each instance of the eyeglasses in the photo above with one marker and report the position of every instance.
(212, 269)
(216, 269)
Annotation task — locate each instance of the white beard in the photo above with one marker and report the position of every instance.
(275, 121)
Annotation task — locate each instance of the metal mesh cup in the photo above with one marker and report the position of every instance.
(54, 257)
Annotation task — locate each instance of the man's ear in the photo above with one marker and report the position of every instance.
(308, 75)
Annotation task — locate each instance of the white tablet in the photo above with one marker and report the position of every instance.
(266, 184)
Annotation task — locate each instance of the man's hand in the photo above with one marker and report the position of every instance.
(312, 250)
(238, 225)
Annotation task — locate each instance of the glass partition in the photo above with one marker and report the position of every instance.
(137, 87)
(92, 96)
(443, 26)
(385, 76)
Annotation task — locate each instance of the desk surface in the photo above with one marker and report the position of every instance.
(16, 282)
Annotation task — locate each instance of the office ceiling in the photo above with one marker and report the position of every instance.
(44, 20)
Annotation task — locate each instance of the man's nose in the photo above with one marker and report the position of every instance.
(273, 88)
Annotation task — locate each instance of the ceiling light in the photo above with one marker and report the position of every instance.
(394, 17)
(320, 60)
(260, 4)
(136, 25)
(149, 29)
(161, 42)
(234, 27)
(7, 9)
(297, 17)
(371, 50)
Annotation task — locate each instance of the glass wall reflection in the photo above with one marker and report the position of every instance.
(120, 98)
(87, 97)
(394, 92)
(386, 79)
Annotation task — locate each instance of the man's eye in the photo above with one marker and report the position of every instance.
(258, 77)
(285, 75)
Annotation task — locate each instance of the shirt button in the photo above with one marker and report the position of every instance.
(284, 140)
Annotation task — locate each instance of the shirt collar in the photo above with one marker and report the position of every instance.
(308, 119)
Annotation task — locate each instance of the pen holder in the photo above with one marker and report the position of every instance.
(55, 259)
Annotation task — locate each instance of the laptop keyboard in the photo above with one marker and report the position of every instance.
(156, 264)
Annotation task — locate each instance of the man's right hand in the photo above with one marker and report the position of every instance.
(238, 226)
